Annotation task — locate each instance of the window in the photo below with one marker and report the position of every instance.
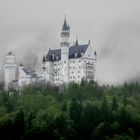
(64, 61)
(73, 61)
(79, 60)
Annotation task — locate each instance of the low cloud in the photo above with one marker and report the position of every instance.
(30, 28)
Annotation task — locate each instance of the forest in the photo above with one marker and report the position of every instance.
(85, 111)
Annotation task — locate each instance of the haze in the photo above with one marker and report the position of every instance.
(30, 27)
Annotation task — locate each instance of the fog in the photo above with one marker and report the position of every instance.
(30, 27)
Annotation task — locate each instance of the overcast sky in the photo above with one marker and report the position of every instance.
(29, 27)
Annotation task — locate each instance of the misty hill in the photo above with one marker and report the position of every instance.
(85, 111)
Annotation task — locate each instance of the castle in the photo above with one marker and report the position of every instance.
(64, 65)
(15, 76)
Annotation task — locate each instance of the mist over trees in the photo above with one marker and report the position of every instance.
(85, 111)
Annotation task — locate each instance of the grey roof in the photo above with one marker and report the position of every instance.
(26, 70)
(30, 72)
(55, 55)
(79, 49)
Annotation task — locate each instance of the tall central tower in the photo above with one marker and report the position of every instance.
(65, 34)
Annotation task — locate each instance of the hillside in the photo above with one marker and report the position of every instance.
(85, 111)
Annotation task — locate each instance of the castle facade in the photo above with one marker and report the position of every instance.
(69, 63)
(60, 66)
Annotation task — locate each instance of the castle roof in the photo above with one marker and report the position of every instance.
(30, 72)
(27, 71)
(55, 55)
(65, 25)
(79, 49)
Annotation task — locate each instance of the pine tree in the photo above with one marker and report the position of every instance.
(114, 105)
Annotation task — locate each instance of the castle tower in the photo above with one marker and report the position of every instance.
(10, 68)
(65, 34)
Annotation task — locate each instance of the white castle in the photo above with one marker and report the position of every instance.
(60, 66)
(15, 76)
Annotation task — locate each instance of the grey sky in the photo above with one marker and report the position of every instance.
(30, 27)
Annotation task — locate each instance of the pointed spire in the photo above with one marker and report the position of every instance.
(73, 43)
(95, 53)
(89, 42)
(65, 26)
(44, 59)
(76, 43)
(65, 17)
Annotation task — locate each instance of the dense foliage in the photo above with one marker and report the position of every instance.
(85, 111)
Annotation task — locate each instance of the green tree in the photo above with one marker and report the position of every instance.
(18, 125)
(64, 127)
(75, 111)
(64, 106)
(114, 105)
(105, 109)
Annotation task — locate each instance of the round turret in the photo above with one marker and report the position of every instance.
(10, 58)
(10, 68)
